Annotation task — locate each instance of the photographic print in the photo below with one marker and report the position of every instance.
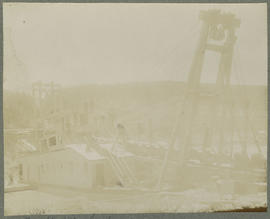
(134, 107)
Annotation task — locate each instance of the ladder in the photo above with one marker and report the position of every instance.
(119, 165)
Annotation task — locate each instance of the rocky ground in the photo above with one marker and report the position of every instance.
(55, 201)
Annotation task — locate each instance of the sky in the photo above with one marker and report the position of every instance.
(82, 43)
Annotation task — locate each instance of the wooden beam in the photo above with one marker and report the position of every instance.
(215, 48)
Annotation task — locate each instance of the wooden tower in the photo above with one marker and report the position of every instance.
(218, 35)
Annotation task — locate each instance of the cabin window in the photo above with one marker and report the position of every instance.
(52, 141)
(60, 139)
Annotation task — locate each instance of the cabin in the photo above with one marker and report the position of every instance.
(73, 166)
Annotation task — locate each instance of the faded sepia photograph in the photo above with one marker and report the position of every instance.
(134, 108)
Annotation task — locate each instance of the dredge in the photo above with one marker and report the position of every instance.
(190, 166)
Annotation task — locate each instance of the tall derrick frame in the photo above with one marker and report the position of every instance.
(218, 35)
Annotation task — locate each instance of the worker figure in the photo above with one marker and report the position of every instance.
(121, 133)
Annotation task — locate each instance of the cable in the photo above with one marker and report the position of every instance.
(242, 92)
